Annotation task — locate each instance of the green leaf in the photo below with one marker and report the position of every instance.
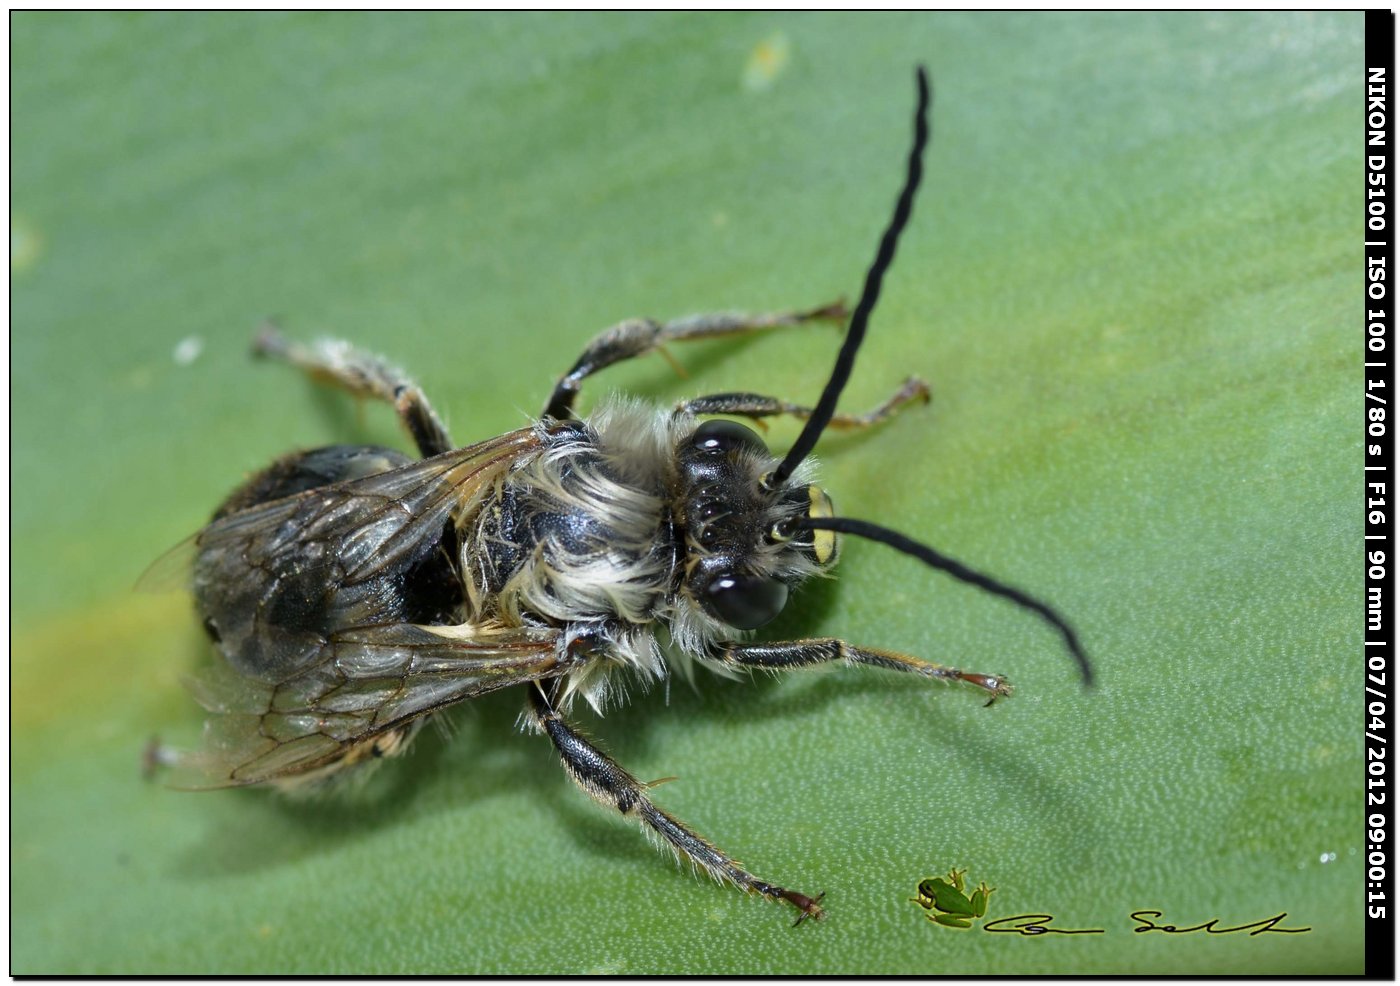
(1131, 279)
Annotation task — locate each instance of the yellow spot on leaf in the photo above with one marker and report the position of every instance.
(25, 245)
(766, 62)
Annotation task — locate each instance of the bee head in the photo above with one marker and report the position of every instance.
(745, 546)
(753, 526)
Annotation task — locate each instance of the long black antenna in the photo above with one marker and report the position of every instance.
(846, 359)
(955, 568)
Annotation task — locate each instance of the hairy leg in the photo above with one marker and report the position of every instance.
(364, 375)
(759, 406)
(600, 777)
(787, 655)
(639, 336)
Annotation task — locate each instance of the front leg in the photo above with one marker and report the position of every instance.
(600, 777)
(789, 655)
(639, 336)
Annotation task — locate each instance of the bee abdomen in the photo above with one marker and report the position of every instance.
(298, 472)
(271, 623)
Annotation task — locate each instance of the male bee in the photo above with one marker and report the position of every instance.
(351, 592)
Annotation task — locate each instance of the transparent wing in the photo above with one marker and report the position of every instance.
(389, 509)
(172, 571)
(367, 524)
(274, 580)
(304, 596)
(370, 681)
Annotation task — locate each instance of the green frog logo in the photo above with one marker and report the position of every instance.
(947, 903)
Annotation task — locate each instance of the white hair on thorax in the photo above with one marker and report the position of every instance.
(621, 467)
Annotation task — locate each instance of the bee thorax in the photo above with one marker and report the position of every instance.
(574, 533)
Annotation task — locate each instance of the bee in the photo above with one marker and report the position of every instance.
(352, 592)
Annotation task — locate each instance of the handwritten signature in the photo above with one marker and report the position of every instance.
(1040, 924)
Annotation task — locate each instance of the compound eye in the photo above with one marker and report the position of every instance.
(745, 602)
(720, 435)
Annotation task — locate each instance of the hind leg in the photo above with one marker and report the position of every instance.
(364, 375)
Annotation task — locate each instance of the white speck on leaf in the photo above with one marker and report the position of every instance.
(187, 350)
